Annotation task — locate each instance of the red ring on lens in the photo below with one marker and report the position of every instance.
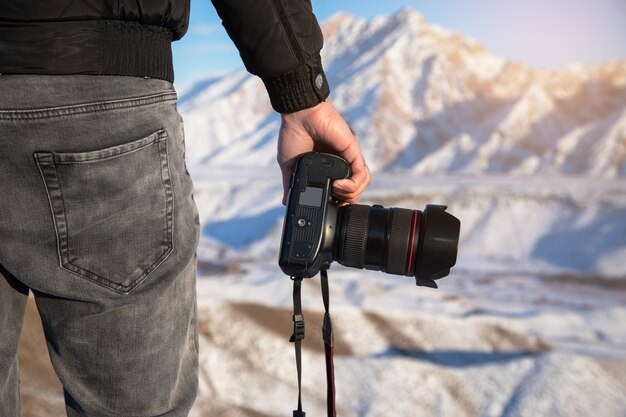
(412, 245)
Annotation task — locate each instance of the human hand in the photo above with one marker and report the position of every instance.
(322, 129)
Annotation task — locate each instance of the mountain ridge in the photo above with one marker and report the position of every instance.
(412, 91)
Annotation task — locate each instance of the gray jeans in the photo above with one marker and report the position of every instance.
(97, 219)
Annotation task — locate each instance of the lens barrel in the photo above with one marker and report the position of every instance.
(398, 241)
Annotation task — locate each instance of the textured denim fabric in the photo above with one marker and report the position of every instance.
(97, 220)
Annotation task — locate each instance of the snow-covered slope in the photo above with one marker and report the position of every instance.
(427, 102)
(531, 320)
(427, 99)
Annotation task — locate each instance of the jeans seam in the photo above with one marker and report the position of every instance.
(76, 109)
(54, 221)
(168, 188)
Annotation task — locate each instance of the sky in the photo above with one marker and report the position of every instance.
(538, 33)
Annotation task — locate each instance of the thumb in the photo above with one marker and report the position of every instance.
(286, 169)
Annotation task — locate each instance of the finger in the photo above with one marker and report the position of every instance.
(350, 189)
(349, 149)
(350, 196)
(285, 192)
(360, 175)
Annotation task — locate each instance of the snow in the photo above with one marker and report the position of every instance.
(482, 344)
(408, 88)
(530, 321)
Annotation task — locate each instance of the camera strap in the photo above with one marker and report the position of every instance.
(329, 343)
(329, 348)
(296, 339)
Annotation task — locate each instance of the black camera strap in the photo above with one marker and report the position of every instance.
(329, 343)
(296, 339)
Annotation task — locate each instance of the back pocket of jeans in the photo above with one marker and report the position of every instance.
(112, 210)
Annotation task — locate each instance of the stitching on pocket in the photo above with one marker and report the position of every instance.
(107, 153)
(47, 163)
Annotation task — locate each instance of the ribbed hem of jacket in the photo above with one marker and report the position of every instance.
(301, 88)
(102, 47)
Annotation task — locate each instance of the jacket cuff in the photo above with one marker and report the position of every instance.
(301, 88)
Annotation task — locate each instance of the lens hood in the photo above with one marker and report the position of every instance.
(439, 242)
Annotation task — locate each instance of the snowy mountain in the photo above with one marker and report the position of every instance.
(426, 99)
(530, 321)
(427, 102)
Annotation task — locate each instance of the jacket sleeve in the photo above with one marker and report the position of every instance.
(279, 41)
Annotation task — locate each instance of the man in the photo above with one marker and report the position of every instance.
(97, 217)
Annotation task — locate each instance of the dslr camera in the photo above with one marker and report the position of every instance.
(317, 231)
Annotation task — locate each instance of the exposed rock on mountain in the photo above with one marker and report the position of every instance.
(426, 99)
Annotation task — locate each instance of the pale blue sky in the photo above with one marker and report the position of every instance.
(539, 33)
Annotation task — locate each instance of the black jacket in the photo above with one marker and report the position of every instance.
(279, 40)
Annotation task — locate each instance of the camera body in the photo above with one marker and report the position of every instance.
(318, 231)
(311, 215)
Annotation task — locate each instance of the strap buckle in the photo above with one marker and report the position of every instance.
(298, 328)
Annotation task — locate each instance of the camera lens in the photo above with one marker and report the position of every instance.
(398, 241)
